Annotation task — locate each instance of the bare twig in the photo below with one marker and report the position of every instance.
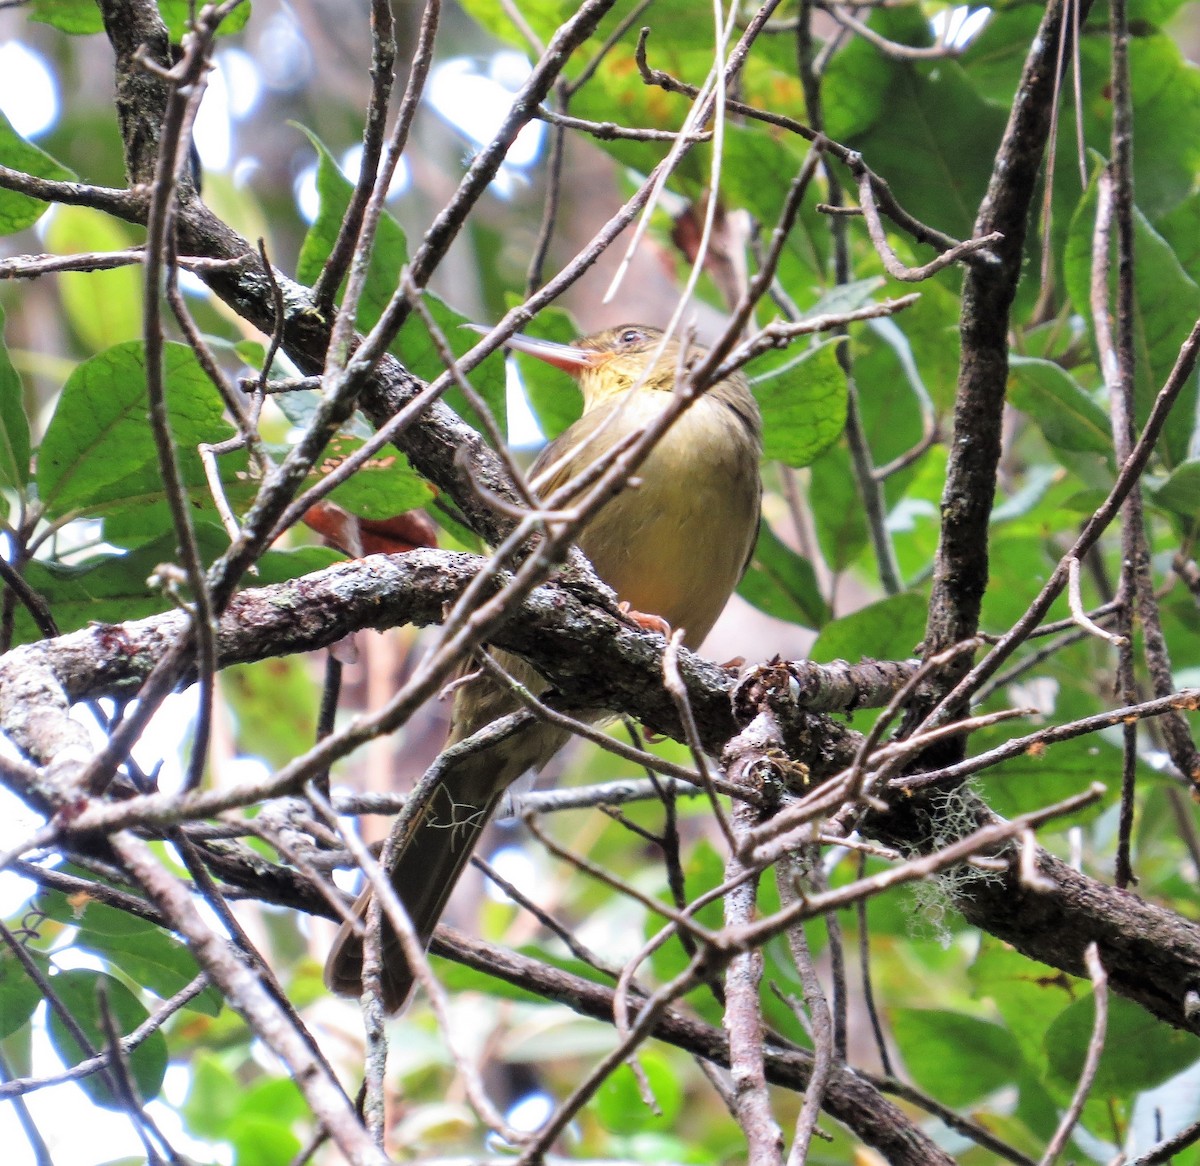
(1091, 1062)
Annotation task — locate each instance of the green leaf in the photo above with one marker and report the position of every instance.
(214, 1096)
(803, 402)
(837, 510)
(413, 346)
(14, 425)
(619, 1104)
(81, 993)
(954, 1057)
(1066, 415)
(99, 453)
(388, 254)
(141, 950)
(854, 88)
(782, 583)
(385, 486)
(275, 703)
(175, 15)
(110, 589)
(757, 170)
(104, 307)
(82, 17)
(888, 630)
(1181, 230)
(936, 143)
(76, 17)
(1139, 1051)
(18, 211)
(19, 995)
(1180, 493)
(1027, 994)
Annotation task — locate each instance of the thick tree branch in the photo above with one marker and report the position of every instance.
(960, 569)
(595, 660)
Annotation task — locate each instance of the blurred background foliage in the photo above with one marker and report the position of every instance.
(968, 1020)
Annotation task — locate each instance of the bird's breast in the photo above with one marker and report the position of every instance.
(675, 544)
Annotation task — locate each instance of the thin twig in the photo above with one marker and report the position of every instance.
(1091, 1061)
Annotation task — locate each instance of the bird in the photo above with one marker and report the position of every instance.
(673, 544)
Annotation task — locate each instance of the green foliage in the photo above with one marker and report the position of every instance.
(803, 404)
(782, 583)
(103, 307)
(14, 426)
(555, 401)
(18, 211)
(100, 1005)
(953, 1056)
(98, 453)
(888, 630)
(1166, 304)
(82, 17)
(144, 954)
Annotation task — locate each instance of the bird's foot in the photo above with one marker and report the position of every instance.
(647, 622)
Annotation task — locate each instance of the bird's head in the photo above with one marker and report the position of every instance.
(610, 362)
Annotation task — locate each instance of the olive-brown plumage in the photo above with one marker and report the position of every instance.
(673, 546)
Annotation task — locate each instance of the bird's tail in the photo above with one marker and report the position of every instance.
(426, 865)
(439, 832)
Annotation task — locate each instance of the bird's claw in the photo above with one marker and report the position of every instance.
(647, 622)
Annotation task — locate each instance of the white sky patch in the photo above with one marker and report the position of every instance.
(234, 89)
(283, 53)
(351, 164)
(524, 432)
(304, 191)
(513, 864)
(28, 90)
(531, 1112)
(476, 102)
(957, 27)
(212, 131)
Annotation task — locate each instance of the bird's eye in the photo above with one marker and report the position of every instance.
(631, 336)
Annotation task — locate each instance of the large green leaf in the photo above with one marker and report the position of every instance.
(177, 13)
(88, 995)
(782, 583)
(19, 995)
(386, 485)
(104, 307)
(888, 630)
(803, 402)
(98, 453)
(619, 1104)
(1066, 415)
(554, 400)
(837, 509)
(82, 17)
(18, 211)
(1181, 229)
(1028, 995)
(954, 1057)
(14, 425)
(274, 704)
(1139, 1051)
(110, 589)
(1180, 493)
(938, 141)
(143, 951)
